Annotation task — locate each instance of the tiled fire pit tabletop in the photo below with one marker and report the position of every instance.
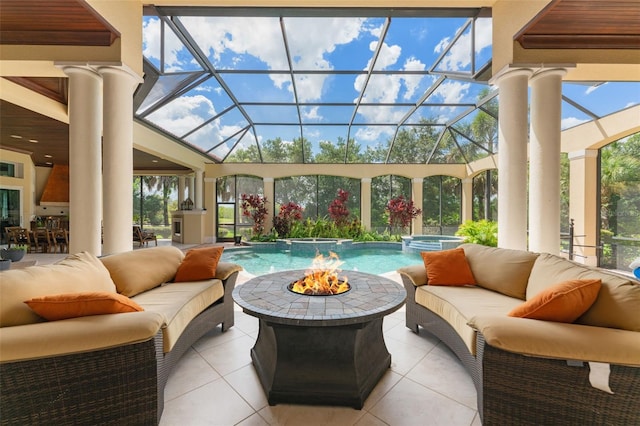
(268, 297)
(326, 350)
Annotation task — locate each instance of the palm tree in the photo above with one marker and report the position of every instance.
(165, 184)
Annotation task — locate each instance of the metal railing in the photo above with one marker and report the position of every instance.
(571, 236)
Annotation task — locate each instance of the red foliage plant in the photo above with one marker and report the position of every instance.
(255, 207)
(288, 215)
(401, 212)
(338, 211)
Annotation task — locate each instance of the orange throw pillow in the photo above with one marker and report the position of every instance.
(72, 305)
(447, 267)
(562, 302)
(199, 264)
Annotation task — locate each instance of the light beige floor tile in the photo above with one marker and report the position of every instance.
(254, 420)
(190, 373)
(386, 383)
(245, 323)
(403, 355)
(423, 340)
(410, 403)
(389, 322)
(229, 356)
(298, 415)
(476, 420)
(245, 381)
(216, 337)
(215, 404)
(370, 420)
(442, 372)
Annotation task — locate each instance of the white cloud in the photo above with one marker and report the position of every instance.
(571, 122)
(262, 39)
(388, 55)
(152, 42)
(183, 114)
(442, 44)
(386, 89)
(370, 134)
(459, 55)
(452, 91)
(311, 114)
(412, 81)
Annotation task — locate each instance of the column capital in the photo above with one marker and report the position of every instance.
(508, 72)
(120, 70)
(546, 72)
(365, 180)
(82, 69)
(417, 180)
(267, 179)
(467, 180)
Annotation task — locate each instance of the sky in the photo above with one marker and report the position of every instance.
(328, 56)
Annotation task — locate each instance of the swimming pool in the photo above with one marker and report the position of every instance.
(373, 260)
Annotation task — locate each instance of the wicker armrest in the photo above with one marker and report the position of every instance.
(555, 340)
(77, 335)
(225, 269)
(416, 274)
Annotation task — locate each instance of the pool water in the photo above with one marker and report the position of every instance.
(374, 260)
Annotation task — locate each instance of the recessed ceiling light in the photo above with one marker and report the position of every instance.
(48, 163)
(154, 161)
(33, 140)
(16, 136)
(48, 156)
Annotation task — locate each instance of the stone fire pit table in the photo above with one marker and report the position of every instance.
(326, 350)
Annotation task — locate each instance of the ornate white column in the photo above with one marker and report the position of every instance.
(197, 189)
(117, 163)
(416, 197)
(583, 203)
(467, 199)
(181, 187)
(365, 203)
(85, 159)
(544, 161)
(269, 194)
(512, 158)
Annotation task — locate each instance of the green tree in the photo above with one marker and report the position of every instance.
(164, 184)
(620, 183)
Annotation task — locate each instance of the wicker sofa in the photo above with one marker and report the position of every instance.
(110, 368)
(529, 371)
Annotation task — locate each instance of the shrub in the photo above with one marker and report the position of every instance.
(289, 214)
(255, 207)
(400, 213)
(483, 232)
(338, 211)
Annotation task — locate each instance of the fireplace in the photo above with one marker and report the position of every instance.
(321, 350)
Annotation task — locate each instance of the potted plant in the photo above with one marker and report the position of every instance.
(14, 254)
(5, 264)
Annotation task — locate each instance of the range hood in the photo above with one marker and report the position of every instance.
(56, 191)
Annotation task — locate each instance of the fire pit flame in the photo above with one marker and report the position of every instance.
(322, 277)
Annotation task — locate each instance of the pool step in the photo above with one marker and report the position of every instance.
(425, 245)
